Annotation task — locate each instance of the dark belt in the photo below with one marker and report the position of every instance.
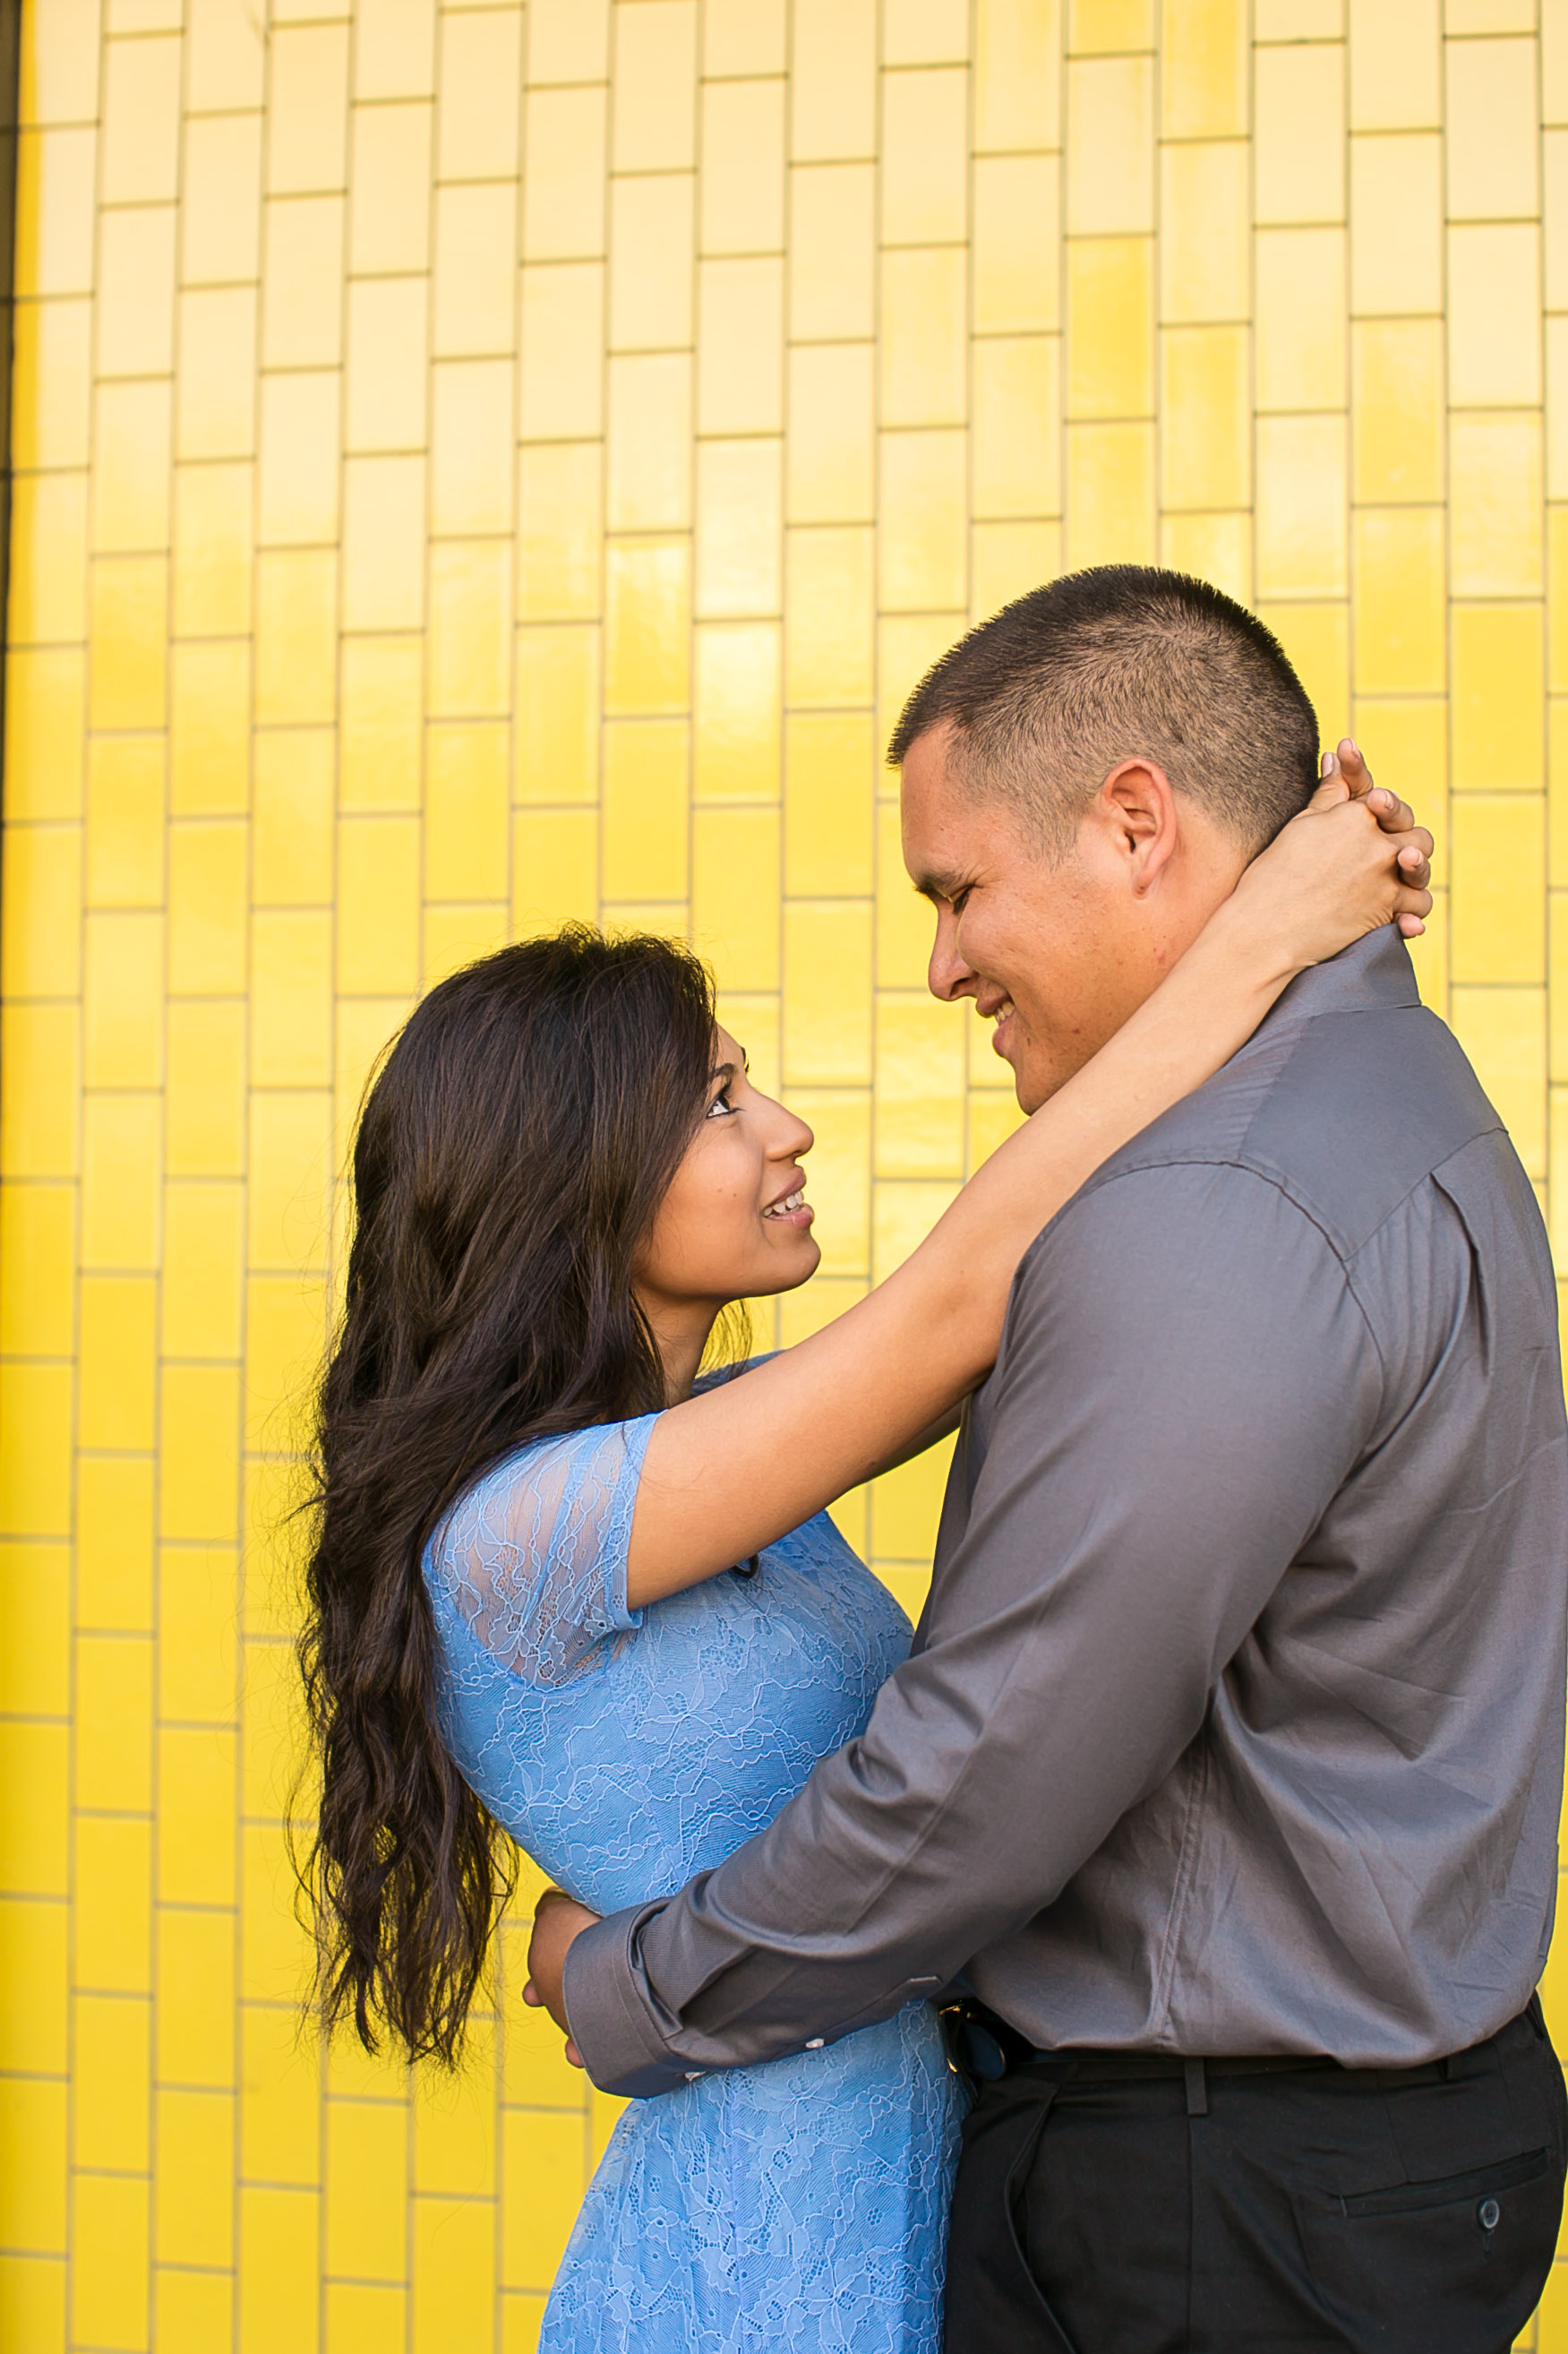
(982, 2049)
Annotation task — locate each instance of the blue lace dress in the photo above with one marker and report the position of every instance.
(799, 2207)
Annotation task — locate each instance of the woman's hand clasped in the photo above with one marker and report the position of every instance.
(558, 1919)
(1330, 876)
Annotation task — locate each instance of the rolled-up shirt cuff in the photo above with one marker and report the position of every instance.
(621, 2048)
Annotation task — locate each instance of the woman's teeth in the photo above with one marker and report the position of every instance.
(796, 1201)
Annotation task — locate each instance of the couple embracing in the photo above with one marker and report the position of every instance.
(1144, 1956)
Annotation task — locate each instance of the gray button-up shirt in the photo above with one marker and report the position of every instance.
(1235, 1720)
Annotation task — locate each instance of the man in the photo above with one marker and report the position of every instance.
(1229, 1757)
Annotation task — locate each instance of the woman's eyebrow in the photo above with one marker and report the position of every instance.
(722, 1071)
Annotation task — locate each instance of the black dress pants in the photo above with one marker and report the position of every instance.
(1409, 2210)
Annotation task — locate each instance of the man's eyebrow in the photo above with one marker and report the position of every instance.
(939, 884)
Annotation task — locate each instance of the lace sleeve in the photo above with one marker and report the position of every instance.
(535, 1554)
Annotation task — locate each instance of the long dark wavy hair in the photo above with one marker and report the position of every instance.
(512, 1152)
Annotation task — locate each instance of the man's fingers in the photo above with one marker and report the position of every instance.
(573, 2055)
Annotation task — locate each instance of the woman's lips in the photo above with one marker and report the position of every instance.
(794, 1209)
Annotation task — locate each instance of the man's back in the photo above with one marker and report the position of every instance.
(1271, 1482)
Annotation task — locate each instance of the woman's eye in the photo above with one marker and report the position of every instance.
(721, 1104)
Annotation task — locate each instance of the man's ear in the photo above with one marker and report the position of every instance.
(1138, 806)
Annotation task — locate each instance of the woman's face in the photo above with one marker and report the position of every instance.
(733, 1224)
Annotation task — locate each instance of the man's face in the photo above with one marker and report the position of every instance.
(1060, 954)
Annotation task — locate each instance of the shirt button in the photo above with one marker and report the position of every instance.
(1488, 2214)
(816, 2043)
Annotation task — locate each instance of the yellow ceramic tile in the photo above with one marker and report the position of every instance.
(455, 2125)
(741, 37)
(542, 2174)
(564, 188)
(834, 80)
(1497, 697)
(114, 1543)
(394, 51)
(1105, 27)
(906, 1504)
(55, 175)
(560, 530)
(1008, 559)
(1205, 445)
(378, 889)
(35, 1843)
(214, 395)
(470, 629)
(654, 74)
(298, 478)
(289, 1172)
(192, 2311)
(1494, 505)
(60, 70)
(734, 894)
(905, 1213)
(1399, 606)
(466, 814)
(924, 179)
(644, 802)
(301, 307)
(743, 167)
(211, 589)
(50, 538)
(128, 615)
(37, 1234)
(52, 414)
(279, 2124)
(568, 40)
(389, 179)
(1503, 1031)
(225, 57)
(203, 1246)
(199, 1496)
(829, 617)
(43, 1071)
(117, 1345)
(738, 542)
(1203, 69)
(557, 715)
(196, 1680)
(290, 1002)
(1557, 994)
(740, 353)
(123, 989)
(206, 1090)
(454, 2272)
(1394, 47)
(1494, 315)
(135, 312)
(383, 544)
(651, 228)
(923, 307)
(379, 734)
(109, 2249)
(1013, 244)
(1109, 496)
(32, 2183)
(1554, 215)
(278, 2260)
(827, 993)
(45, 699)
(1299, 120)
(832, 250)
(1557, 814)
(1016, 464)
(41, 937)
(924, 32)
(366, 2179)
(291, 835)
(922, 544)
(1110, 327)
(140, 121)
(649, 462)
(1301, 506)
(830, 786)
(283, 1338)
(1206, 231)
(207, 879)
(220, 218)
(562, 340)
(830, 454)
(112, 1926)
(1497, 895)
(112, 1746)
(1317, 639)
(1017, 76)
(475, 298)
(1300, 319)
(209, 708)
(1396, 409)
(1492, 119)
(307, 110)
(736, 711)
(110, 2111)
(131, 478)
(1111, 146)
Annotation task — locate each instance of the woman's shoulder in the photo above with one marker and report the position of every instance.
(525, 1494)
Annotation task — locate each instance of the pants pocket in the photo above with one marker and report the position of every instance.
(1450, 2267)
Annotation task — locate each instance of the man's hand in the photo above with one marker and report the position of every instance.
(558, 1919)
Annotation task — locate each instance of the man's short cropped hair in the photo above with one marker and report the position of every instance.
(1122, 662)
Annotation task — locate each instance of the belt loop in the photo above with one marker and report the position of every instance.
(1197, 2087)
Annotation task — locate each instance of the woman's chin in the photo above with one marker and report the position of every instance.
(793, 1266)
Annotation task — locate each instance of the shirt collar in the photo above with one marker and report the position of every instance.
(1374, 972)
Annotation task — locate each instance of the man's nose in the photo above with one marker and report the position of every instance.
(948, 975)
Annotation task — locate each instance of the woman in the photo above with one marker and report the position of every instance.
(561, 1589)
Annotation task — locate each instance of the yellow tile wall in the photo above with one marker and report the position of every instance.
(477, 465)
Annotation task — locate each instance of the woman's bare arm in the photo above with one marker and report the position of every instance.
(730, 1470)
